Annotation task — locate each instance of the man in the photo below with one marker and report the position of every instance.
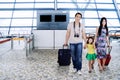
(75, 35)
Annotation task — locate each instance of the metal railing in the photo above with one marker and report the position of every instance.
(4, 45)
(28, 40)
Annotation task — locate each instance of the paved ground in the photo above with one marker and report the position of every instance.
(42, 65)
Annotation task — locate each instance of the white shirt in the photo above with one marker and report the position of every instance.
(77, 30)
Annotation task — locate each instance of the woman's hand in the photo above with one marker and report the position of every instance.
(108, 45)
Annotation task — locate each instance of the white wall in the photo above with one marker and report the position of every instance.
(49, 39)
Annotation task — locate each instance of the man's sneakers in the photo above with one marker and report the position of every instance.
(74, 70)
(79, 72)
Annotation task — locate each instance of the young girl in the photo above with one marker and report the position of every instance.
(90, 56)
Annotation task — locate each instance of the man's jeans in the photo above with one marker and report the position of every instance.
(76, 53)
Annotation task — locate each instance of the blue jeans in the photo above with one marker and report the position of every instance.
(76, 54)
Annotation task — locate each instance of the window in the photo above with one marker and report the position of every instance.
(45, 18)
(60, 18)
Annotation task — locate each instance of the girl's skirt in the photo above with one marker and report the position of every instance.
(91, 56)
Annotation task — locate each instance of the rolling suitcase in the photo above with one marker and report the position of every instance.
(64, 57)
(108, 56)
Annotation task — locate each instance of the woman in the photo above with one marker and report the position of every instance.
(101, 40)
(75, 34)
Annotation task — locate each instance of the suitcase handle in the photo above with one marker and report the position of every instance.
(109, 49)
(65, 45)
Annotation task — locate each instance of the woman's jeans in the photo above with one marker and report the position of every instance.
(76, 53)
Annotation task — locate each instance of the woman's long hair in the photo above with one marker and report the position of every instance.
(100, 27)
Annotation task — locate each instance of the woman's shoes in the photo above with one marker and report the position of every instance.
(104, 68)
(100, 71)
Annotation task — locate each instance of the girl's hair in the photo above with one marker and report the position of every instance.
(100, 27)
(90, 38)
(78, 14)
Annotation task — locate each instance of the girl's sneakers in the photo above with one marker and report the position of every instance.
(89, 71)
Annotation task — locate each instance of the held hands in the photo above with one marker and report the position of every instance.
(85, 46)
(95, 44)
(108, 45)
